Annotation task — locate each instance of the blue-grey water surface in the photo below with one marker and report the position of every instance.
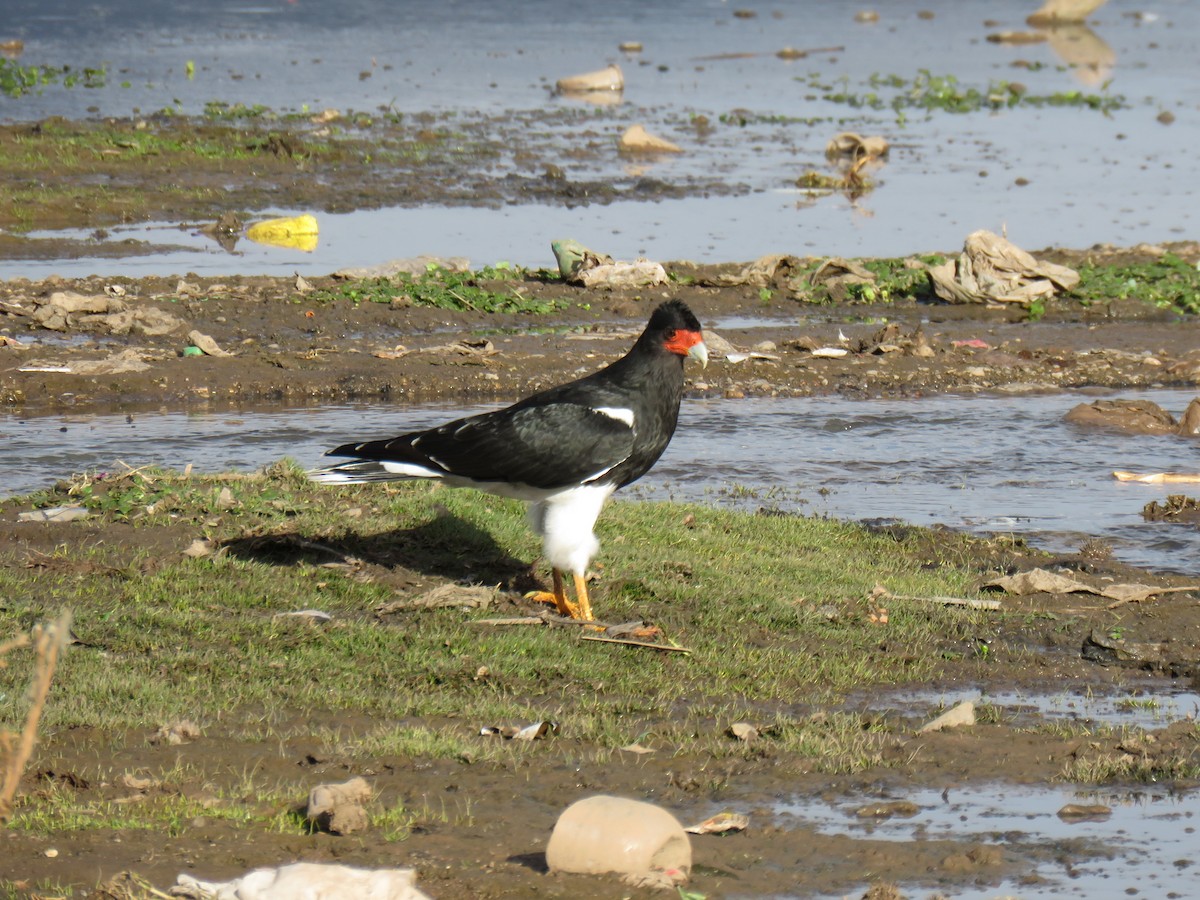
(978, 463)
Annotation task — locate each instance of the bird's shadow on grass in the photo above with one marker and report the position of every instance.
(447, 547)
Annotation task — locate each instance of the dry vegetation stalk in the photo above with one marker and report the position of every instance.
(15, 749)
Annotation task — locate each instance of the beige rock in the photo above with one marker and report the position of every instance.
(338, 808)
(604, 834)
(955, 717)
(1054, 11)
(637, 139)
(609, 78)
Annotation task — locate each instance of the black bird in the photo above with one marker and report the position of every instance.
(565, 450)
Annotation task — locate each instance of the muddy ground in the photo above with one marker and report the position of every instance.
(293, 343)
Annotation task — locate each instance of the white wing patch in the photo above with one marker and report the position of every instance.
(620, 413)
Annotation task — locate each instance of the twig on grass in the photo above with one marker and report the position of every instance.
(669, 648)
(15, 749)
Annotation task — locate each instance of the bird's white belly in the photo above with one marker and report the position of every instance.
(565, 520)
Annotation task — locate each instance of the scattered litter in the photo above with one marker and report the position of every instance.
(6, 341)
(444, 596)
(847, 143)
(721, 823)
(957, 716)
(793, 53)
(134, 783)
(1055, 12)
(764, 271)
(830, 352)
(45, 367)
(639, 273)
(630, 46)
(972, 344)
(64, 310)
(604, 834)
(1015, 38)
(838, 274)
(718, 347)
(55, 514)
(638, 630)
(311, 881)
(1159, 477)
(199, 548)
(181, 732)
(743, 731)
(637, 139)
(416, 265)
(951, 601)
(753, 354)
(638, 749)
(609, 78)
(206, 344)
(295, 232)
(572, 257)
(580, 265)
(312, 615)
(992, 269)
(303, 285)
(537, 730)
(903, 809)
(1081, 812)
(1040, 581)
(339, 808)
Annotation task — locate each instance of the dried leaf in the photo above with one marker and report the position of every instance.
(721, 823)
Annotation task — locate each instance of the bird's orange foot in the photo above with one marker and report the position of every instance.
(564, 606)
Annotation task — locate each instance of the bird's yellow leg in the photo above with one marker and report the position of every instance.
(559, 597)
(581, 595)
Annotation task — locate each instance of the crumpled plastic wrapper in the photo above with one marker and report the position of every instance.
(312, 881)
(992, 269)
(581, 265)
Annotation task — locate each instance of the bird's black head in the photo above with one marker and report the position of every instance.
(675, 327)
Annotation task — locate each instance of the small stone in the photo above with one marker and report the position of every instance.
(960, 715)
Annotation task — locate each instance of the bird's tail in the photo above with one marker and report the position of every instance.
(356, 471)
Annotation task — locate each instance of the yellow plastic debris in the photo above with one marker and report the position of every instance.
(295, 232)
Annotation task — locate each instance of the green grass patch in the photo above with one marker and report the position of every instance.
(773, 608)
(1168, 282)
(16, 80)
(930, 93)
(443, 289)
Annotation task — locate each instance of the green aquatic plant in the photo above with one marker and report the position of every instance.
(17, 80)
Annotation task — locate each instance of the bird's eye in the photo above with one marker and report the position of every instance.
(670, 335)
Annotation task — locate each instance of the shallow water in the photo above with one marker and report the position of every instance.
(1145, 848)
(980, 463)
(1138, 704)
(1091, 177)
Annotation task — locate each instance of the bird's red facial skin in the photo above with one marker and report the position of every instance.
(682, 341)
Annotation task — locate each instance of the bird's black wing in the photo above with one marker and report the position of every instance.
(545, 445)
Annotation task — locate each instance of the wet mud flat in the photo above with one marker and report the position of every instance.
(324, 339)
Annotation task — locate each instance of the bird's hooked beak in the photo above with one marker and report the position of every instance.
(686, 342)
